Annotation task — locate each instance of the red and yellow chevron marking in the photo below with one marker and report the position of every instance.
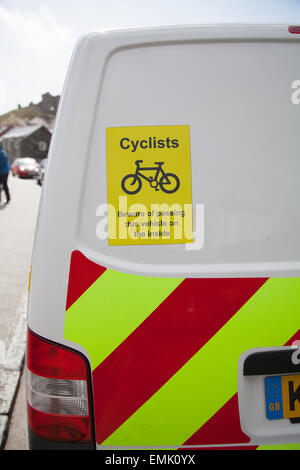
(224, 426)
(164, 351)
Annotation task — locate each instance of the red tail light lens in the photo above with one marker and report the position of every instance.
(57, 387)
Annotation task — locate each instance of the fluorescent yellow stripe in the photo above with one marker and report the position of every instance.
(280, 447)
(200, 388)
(112, 308)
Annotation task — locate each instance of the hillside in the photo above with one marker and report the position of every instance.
(46, 109)
(27, 113)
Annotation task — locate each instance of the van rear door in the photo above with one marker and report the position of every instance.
(168, 237)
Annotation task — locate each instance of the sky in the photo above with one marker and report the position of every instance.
(37, 37)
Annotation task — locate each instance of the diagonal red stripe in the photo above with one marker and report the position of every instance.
(296, 337)
(162, 344)
(224, 427)
(83, 273)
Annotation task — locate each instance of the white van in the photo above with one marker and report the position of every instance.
(164, 307)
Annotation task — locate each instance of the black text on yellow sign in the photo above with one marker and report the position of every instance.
(149, 185)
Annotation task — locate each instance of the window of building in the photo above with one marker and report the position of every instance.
(42, 146)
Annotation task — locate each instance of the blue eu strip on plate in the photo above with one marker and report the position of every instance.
(274, 405)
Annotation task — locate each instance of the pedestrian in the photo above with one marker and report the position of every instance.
(4, 170)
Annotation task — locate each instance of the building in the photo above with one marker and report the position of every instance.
(38, 121)
(49, 103)
(5, 129)
(29, 141)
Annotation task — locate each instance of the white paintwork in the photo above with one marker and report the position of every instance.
(233, 86)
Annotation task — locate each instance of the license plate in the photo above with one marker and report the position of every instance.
(283, 397)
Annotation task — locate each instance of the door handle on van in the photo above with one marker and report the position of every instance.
(273, 362)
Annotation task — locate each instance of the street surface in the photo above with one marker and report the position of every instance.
(17, 227)
(17, 430)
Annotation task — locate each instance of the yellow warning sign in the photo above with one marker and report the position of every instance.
(149, 188)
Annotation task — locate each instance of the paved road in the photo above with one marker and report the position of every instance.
(17, 226)
(17, 438)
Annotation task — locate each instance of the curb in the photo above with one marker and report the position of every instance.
(12, 353)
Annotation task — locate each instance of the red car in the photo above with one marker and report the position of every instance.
(24, 167)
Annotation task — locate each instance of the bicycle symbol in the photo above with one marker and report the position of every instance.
(167, 182)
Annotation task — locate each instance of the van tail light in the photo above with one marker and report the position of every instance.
(58, 392)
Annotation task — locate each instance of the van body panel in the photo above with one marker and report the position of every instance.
(238, 289)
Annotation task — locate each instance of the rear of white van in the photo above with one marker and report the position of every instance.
(164, 307)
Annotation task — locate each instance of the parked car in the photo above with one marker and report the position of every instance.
(41, 170)
(24, 167)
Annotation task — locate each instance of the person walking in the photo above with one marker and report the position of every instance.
(4, 170)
